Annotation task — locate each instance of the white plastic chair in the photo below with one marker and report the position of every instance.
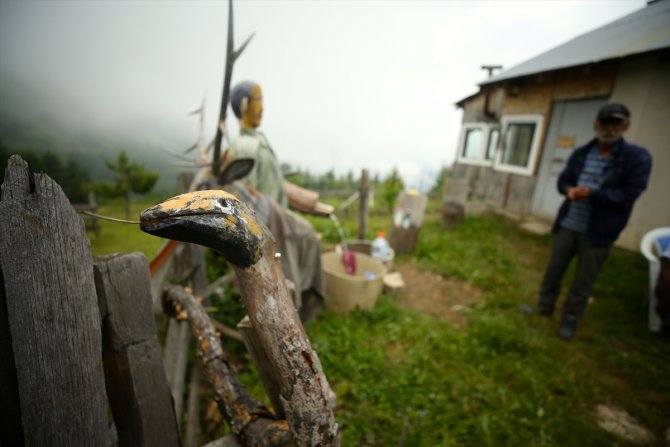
(652, 244)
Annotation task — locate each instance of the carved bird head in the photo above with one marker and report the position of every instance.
(212, 218)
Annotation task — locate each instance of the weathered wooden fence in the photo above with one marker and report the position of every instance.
(78, 340)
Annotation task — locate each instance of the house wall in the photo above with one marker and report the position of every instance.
(473, 111)
(533, 95)
(499, 190)
(639, 82)
(643, 85)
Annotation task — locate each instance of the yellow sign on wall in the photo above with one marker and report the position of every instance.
(566, 141)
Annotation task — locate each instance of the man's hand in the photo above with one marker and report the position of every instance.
(576, 193)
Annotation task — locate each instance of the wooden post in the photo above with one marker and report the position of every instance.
(52, 312)
(263, 364)
(199, 284)
(158, 280)
(10, 410)
(174, 360)
(193, 409)
(363, 205)
(303, 388)
(136, 383)
(188, 264)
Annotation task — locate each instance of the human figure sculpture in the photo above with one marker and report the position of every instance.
(264, 189)
(266, 175)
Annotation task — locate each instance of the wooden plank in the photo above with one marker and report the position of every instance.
(174, 361)
(53, 314)
(137, 387)
(10, 410)
(188, 265)
(193, 409)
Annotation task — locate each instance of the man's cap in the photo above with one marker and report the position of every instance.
(613, 110)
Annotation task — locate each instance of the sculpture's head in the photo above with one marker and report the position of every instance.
(214, 219)
(246, 100)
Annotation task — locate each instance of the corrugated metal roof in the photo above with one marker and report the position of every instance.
(645, 30)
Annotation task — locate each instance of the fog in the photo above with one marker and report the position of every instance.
(347, 84)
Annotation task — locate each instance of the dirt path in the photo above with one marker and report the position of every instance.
(432, 294)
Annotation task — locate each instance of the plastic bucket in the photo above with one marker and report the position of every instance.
(345, 292)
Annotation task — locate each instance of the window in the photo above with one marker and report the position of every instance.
(521, 139)
(478, 143)
(494, 134)
(472, 143)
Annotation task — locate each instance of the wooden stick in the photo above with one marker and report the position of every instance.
(363, 205)
(220, 221)
(225, 330)
(248, 418)
(303, 388)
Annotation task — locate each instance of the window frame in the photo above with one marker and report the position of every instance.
(481, 159)
(529, 169)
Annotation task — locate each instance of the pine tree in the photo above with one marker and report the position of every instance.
(131, 177)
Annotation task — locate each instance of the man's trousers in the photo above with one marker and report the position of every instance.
(566, 245)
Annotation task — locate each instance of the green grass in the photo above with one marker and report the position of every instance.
(117, 237)
(504, 380)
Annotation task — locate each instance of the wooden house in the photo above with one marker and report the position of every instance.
(521, 126)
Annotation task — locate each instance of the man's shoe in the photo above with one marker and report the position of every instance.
(530, 310)
(567, 329)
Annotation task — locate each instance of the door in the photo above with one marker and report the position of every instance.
(571, 125)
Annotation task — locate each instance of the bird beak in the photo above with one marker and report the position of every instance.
(214, 219)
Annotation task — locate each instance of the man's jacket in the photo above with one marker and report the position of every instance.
(625, 176)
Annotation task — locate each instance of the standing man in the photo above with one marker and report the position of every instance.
(601, 182)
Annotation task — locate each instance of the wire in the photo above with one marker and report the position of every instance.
(113, 219)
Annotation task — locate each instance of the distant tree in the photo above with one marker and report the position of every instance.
(130, 178)
(350, 178)
(390, 188)
(287, 169)
(375, 179)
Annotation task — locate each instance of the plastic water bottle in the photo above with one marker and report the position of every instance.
(381, 250)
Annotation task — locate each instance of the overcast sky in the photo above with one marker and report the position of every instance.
(347, 84)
